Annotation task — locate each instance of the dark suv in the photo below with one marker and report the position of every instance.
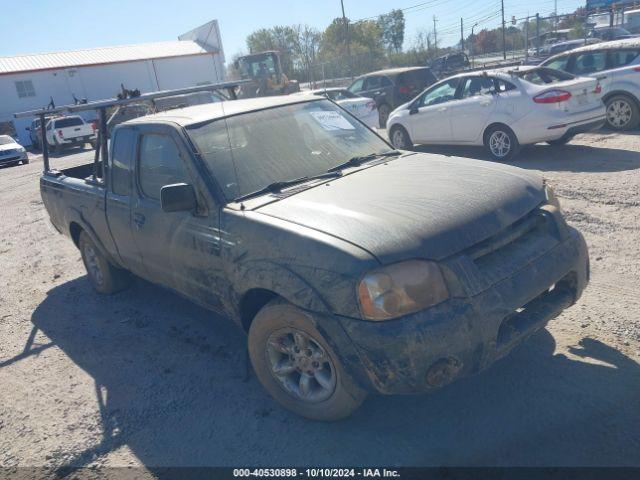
(450, 63)
(393, 87)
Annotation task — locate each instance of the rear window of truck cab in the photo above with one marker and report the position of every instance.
(68, 122)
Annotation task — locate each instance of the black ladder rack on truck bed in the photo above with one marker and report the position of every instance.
(102, 105)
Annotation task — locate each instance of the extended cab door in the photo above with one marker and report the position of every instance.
(119, 199)
(179, 249)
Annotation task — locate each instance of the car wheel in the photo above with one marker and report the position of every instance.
(501, 143)
(400, 138)
(296, 365)
(560, 141)
(384, 111)
(622, 113)
(105, 277)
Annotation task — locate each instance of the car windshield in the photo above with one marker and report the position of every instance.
(6, 140)
(247, 152)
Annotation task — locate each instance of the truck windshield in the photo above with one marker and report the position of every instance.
(247, 152)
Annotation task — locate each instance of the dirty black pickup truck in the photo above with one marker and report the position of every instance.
(354, 268)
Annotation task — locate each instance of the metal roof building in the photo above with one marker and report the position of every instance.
(32, 81)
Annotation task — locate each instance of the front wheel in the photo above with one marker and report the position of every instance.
(501, 143)
(622, 113)
(105, 277)
(400, 138)
(296, 365)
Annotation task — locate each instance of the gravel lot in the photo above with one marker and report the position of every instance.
(146, 378)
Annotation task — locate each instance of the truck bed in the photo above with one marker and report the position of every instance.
(74, 199)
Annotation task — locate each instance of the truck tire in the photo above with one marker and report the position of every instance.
(105, 277)
(296, 365)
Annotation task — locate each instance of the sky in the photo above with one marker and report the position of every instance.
(55, 25)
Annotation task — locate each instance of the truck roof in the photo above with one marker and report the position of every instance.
(213, 111)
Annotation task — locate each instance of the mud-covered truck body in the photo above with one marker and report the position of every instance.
(353, 267)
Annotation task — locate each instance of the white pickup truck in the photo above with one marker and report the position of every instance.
(69, 131)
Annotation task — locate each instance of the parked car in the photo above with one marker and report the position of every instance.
(450, 63)
(393, 87)
(361, 107)
(610, 33)
(616, 65)
(69, 131)
(353, 267)
(35, 133)
(11, 152)
(500, 109)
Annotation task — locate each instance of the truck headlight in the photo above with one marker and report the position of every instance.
(401, 288)
(550, 196)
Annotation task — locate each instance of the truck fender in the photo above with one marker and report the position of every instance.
(281, 281)
(73, 215)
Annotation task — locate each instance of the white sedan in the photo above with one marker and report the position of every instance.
(364, 109)
(11, 152)
(500, 109)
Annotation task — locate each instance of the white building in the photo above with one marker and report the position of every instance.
(29, 82)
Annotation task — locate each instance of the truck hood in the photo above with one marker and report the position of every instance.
(420, 205)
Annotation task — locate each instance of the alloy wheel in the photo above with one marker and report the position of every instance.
(499, 144)
(300, 365)
(619, 113)
(397, 139)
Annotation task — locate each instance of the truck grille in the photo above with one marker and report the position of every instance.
(507, 252)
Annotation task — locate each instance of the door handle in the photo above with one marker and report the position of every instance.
(442, 109)
(485, 104)
(139, 219)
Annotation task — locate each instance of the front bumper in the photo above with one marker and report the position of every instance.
(464, 335)
(75, 141)
(18, 157)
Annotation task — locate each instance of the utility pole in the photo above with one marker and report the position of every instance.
(526, 43)
(537, 34)
(435, 36)
(472, 47)
(461, 36)
(346, 29)
(504, 45)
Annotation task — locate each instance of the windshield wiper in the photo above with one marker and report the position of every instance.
(279, 186)
(357, 161)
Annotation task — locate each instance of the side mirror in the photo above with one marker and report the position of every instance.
(413, 109)
(179, 197)
(28, 129)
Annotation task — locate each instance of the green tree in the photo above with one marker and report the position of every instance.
(391, 26)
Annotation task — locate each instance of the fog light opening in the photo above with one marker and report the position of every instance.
(443, 371)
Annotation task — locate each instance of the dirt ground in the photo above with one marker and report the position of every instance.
(144, 378)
